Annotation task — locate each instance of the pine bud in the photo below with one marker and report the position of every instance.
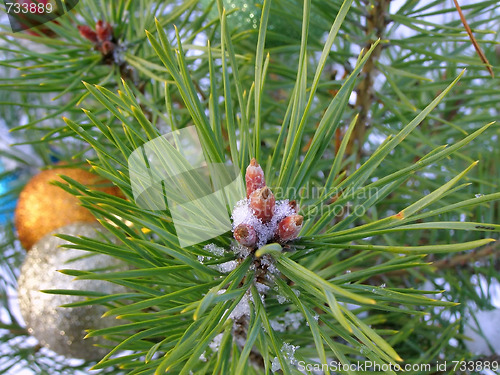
(289, 228)
(87, 33)
(245, 234)
(293, 205)
(107, 47)
(262, 202)
(254, 177)
(104, 31)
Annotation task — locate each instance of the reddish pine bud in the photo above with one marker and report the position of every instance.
(262, 202)
(107, 47)
(245, 234)
(293, 205)
(254, 177)
(104, 31)
(289, 228)
(87, 33)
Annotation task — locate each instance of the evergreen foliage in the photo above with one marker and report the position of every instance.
(376, 133)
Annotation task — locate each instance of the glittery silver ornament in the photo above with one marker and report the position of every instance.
(245, 13)
(57, 328)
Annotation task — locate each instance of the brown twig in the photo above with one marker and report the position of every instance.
(464, 259)
(460, 260)
(473, 40)
(376, 23)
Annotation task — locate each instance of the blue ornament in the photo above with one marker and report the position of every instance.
(8, 199)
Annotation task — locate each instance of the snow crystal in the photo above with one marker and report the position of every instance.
(202, 357)
(282, 299)
(315, 317)
(240, 250)
(241, 340)
(272, 269)
(241, 309)
(261, 288)
(243, 214)
(215, 344)
(293, 320)
(275, 365)
(288, 351)
(290, 319)
(214, 249)
(268, 262)
(277, 326)
(227, 266)
(260, 295)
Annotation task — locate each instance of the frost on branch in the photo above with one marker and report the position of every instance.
(257, 220)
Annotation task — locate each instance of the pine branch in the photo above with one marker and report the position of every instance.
(464, 261)
(375, 27)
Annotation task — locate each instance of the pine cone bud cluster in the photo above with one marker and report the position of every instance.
(260, 218)
(102, 37)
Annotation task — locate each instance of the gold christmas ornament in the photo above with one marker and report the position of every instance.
(62, 329)
(43, 207)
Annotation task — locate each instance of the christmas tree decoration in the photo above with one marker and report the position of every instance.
(283, 25)
(58, 328)
(44, 207)
(7, 200)
(245, 14)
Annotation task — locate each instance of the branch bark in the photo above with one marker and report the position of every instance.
(376, 22)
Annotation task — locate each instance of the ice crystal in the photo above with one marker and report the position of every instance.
(215, 344)
(288, 351)
(261, 288)
(227, 266)
(214, 249)
(275, 365)
(241, 309)
(290, 319)
(282, 299)
(240, 250)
